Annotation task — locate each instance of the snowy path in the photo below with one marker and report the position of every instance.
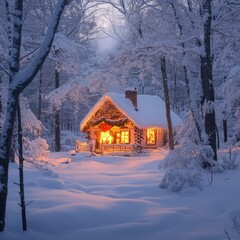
(116, 198)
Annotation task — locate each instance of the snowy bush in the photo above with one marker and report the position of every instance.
(187, 131)
(231, 101)
(190, 156)
(68, 140)
(175, 180)
(30, 124)
(36, 148)
(236, 137)
(185, 165)
(230, 161)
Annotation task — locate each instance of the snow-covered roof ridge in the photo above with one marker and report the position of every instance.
(151, 110)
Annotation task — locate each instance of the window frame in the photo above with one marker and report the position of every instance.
(124, 131)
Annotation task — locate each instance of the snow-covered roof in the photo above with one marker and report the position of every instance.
(151, 110)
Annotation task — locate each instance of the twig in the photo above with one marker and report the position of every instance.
(228, 237)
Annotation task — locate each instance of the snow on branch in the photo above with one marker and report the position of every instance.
(73, 89)
(24, 77)
(185, 166)
(36, 149)
(208, 107)
(29, 120)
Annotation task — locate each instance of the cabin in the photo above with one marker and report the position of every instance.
(120, 123)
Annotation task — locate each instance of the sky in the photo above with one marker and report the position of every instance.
(109, 21)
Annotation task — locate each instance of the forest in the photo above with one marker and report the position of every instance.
(57, 58)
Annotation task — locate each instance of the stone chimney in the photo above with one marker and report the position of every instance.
(131, 93)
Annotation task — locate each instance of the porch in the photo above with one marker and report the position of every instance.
(105, 149)
(116, 149)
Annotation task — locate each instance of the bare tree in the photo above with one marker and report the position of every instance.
(207, 78)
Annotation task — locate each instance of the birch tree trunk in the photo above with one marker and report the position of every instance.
(8, 125)
(19, 80)
(5, 146)
(20, 168)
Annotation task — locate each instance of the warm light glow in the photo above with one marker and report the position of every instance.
(151, 136)
(124, 136)
(118, 137)
(106, 137)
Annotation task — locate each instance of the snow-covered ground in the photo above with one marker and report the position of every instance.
(118, 198)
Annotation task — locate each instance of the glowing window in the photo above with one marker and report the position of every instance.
(125, 136)
(117, 137)
(106, 137)
(151, 136)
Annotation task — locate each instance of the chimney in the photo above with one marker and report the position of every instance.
(131, 93)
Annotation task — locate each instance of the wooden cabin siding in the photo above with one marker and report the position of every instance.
(161, 132)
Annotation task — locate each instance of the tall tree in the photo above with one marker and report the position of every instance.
(183, 35)
(167, 101)
(19, 80)
(207, 78)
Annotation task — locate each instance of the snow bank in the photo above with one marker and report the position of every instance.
(116, 198)
(36, 148)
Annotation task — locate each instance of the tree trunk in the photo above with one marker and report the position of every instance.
(40, 96)
(207, 79)
(194, 109)
(1, 104)
(8, 126)
(39, 114)
(20, 168)
(57, 131)
(1, 89)
(175, 105)
(217, 137)
(225, 130)
(167, 101)
(19, 80)
(5, 144)
(57, 117)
